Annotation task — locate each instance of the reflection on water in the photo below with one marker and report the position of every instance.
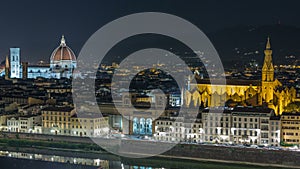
(96, 163)
(53, 158)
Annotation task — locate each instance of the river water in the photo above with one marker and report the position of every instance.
(22, 160)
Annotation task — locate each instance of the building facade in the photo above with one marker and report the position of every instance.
(242, 125)
(290, 128)
(268, 91)
(275, 128)
(24, 124)
(57, 120)
(89, 125)
(15, 63)
(178, 129)
(62, 63)
(216, 125)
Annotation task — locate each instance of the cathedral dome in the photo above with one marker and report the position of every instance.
(62, 53)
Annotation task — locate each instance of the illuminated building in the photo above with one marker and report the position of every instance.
(251, 125)
(242, 125)
(141, 121)
(62, 63)
(178, 129)
(275, 127)
(15, 63)
(57, 120)
(24, 124)
(89, 125)
(268, 91)
(290, 128)
(164, 130)
(64, 121)
(216, 125)
(175, 99)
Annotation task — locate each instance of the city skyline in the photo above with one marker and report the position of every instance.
(36, 27)
(150, 85)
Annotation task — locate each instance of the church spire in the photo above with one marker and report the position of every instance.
(62, 41)
(268, 46)
(268, 69)
(267, 81)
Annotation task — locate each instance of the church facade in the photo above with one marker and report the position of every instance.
(62, 63)
(267, 91)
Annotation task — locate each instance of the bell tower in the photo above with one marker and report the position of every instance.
(15, 64)
(267, 75)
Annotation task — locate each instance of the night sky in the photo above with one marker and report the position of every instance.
(36, 26)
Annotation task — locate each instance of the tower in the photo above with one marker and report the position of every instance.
(7, 68)
(267, 75)
(24, 70)
(15, 63)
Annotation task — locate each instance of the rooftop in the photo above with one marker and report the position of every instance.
(61, 109)
(231, 82)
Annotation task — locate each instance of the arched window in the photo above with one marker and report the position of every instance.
(142, 126)
(149, 126)
(135, 126)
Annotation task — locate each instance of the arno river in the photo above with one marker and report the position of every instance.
(22, 160)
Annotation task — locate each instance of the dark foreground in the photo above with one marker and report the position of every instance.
(56, 159)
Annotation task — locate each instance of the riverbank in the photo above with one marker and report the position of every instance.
(198, 153)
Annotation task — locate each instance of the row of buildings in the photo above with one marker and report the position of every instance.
(239, 125)
(56, 121)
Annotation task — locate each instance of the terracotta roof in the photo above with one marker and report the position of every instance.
(63, 53)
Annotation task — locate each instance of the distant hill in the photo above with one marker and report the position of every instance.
(242, 43)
